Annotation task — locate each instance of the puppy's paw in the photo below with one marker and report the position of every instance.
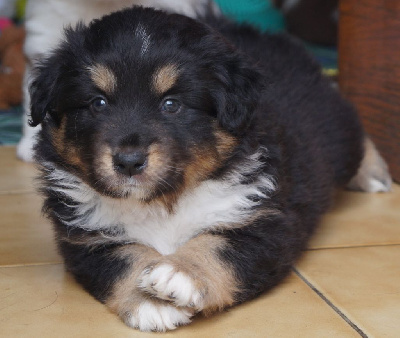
(156, 316)
(169, 282)
(373, 174)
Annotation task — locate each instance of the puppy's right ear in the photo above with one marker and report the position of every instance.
(45, 88)
(43, 91)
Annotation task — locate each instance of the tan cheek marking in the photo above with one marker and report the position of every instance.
(203, 164)
(156, 169)
(199, 258)
(103, 78)
(207, 160)
(226, 143)
(72, 156)
(58, 137)
(164, 78)
(156, 163)
(104, 162)
(65, 149)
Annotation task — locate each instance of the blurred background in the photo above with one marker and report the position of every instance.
(313, 21)
(356, 42)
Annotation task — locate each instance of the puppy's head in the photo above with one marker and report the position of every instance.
(143, 103)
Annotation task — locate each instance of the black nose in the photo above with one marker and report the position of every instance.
(130, 163)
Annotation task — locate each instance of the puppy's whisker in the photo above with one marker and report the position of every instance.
(164, 182)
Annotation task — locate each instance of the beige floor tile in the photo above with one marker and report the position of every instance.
(44, 301)
(15, 175)
(360, 219)
(364, 283)
(25, 236)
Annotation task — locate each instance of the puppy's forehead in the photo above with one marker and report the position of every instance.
(103, 77)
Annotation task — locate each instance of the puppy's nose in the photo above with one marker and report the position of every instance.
(130, 163)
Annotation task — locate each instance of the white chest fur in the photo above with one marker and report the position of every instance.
(214, 204)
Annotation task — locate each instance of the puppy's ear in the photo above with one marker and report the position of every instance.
(45, 87)
(240, 87)
(43, 91)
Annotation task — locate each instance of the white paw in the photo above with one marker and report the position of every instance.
(375, 185)
(365, 181)
(373, 174)
(166, 283)
(156, 317)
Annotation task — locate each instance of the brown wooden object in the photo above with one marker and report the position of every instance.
(369, 70)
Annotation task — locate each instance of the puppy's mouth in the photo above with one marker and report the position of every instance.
(142, 181)
(127, 174)
(117, 185)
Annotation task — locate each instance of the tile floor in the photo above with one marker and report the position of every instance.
(346, 285)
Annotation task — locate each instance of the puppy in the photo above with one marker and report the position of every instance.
(44, 23)
(185, 165)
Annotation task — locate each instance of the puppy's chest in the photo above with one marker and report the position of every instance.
(162, 231)
(210, 206)
(214, 204)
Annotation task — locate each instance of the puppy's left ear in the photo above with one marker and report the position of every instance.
(43, 91)
(240, 87)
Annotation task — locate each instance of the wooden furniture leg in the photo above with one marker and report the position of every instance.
(369, 70)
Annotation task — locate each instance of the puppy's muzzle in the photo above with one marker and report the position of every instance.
(130, 163)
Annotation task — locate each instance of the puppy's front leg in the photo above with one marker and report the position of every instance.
(193, 277)
(137, 309)
(110, 273)
(214, 271)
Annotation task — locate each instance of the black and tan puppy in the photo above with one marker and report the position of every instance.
(184, 169)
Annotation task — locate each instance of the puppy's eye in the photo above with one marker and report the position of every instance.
(98, 104)
(171, 106)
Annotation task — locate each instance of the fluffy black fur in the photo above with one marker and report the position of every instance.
(260, 89)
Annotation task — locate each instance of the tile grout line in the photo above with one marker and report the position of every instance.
(353, 247)
(330, 304)
(17, 192)
(28, 265)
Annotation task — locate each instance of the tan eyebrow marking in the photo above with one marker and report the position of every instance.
(103, 78)
(164, 78)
